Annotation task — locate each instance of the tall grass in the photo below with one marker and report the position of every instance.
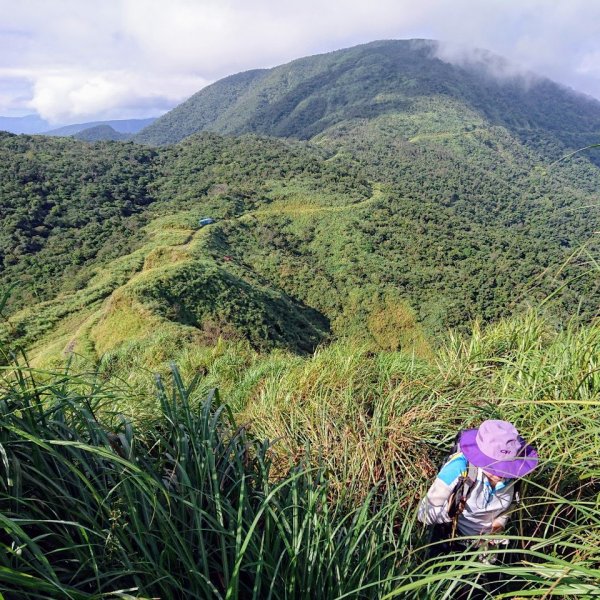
(186, 503)
(186, 508)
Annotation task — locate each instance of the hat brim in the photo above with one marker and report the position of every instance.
(519, 467)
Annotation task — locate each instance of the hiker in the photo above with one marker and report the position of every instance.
(475, 488)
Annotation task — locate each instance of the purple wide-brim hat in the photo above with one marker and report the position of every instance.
(498, 449)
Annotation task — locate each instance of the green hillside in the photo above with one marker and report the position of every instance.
(206, 107)
(307, 96)
(161, 493)
(100, 133)
(422, 201)
(360, 235)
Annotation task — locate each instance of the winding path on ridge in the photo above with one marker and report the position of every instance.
(290, 208)
(158, 254)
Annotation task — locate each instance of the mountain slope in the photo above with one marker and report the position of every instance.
(201, 110)
(407, 212)
(129, 126)
(360, 234)
(305, 97)
(27, 124)
(100, 133)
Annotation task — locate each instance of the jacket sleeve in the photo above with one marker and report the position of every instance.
(434, 507)
(501, 520)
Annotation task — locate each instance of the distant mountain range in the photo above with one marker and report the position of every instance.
(28, 124)
(129, 126)
(33, 124)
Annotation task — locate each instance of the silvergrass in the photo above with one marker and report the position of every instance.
(184, 502)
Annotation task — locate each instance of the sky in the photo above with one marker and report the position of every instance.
(80, 60)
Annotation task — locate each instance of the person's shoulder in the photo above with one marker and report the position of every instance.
(456, 466)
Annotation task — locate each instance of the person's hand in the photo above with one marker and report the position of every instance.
(488, 543)
(497, 526)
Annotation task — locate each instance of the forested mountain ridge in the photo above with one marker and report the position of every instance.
(33, 124)
(406, 213)
(307, 96)
(201, 111)
(361, 234)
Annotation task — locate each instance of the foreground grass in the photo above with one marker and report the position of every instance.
(183, 502)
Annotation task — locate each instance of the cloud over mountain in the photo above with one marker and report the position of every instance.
(77, 60)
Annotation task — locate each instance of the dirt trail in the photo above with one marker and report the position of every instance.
(283, 208)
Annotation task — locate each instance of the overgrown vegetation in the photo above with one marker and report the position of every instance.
(99, 496)
(318, 302)
(364, 236)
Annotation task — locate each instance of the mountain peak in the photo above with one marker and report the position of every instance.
(305, 97)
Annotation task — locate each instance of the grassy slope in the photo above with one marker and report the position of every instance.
(367, 412)
(218, 514)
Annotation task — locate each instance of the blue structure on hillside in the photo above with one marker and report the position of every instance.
(205, 221)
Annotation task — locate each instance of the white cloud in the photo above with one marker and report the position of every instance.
(69, 94)
(590, 64)
(84, 58)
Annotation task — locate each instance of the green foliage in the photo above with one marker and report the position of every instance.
(186, 505)
(455, 225)
(423, 201)
(64, 205)
(182, 501)
(222, 304)
(420, 203)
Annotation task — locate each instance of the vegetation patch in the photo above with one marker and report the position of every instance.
(171, 496)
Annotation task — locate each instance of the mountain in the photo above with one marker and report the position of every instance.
(26, 124)
(202, 111)
(387, 227)
(129, 126)
(100, 133)
(304, 98)
(33, 124)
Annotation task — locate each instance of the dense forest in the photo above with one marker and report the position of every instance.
(360, 233)
(420, 197)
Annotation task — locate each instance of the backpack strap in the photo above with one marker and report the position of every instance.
(460, 495)
(517, 492)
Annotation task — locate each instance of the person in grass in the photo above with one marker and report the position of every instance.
(476, 487)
